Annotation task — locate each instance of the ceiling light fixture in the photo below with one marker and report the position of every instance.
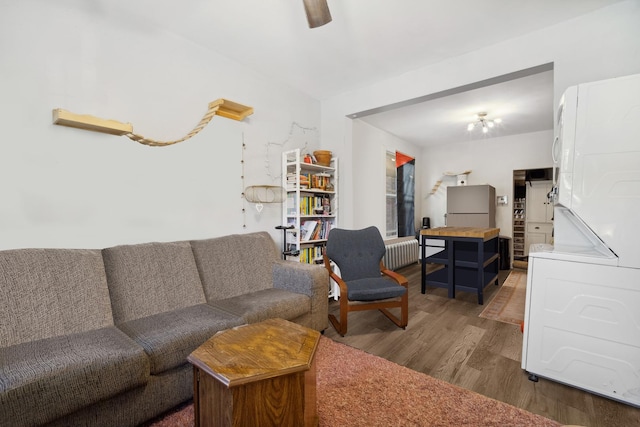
(483, 122)
(317, 12)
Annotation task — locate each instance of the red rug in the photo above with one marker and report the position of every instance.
(508, 304)
(358, 389)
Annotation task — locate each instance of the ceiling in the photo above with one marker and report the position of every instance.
(523, 103)
(368, 41)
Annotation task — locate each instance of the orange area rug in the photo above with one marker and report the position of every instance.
(508, 303)
(355, 388)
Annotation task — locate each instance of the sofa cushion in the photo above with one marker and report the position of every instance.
(266, 304)
(45, 379)
(51, 292)
(144, 279)
(168, 338)
(235, 265)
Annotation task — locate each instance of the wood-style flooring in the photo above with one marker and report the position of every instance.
(447, 340)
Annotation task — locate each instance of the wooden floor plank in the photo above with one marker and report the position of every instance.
(446, 339)
(458, 353)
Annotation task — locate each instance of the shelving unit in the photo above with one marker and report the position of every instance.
(539, 221)
(440, 277)
(311, 207)
(312, 200)
(476, 264)
(470, 259)
(519, 218)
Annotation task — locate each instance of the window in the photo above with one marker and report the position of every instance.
(392, 195)
(400, 188)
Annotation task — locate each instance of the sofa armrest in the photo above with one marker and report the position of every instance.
(307, 279)
(301, 278)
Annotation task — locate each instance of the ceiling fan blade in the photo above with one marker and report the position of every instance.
(317, 12)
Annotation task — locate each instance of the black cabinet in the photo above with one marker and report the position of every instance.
(504, 244)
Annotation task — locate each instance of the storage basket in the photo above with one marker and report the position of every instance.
(323, 157)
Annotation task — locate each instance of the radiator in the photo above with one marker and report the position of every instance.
(400, 252)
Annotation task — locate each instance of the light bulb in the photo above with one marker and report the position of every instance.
(470, 127)
(490, 123)
(484, 129)
(498, 120)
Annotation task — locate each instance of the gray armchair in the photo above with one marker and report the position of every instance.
(365, 283)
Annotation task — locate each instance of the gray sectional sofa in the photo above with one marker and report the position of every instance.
(100, 337)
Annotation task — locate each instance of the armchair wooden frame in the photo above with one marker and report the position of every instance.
(347, 306)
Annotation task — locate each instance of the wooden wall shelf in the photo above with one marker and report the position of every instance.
(232, 110)
(84, 121)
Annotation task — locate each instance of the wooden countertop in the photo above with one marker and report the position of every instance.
(475, 232)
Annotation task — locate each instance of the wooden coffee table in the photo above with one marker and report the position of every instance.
(261, 374)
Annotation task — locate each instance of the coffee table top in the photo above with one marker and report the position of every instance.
(257, 351)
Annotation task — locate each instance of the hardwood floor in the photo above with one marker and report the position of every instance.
(447, 340)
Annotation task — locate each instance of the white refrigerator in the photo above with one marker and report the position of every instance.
(582, 314)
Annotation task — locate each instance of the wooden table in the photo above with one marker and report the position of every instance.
(261, 374)
(470, 259)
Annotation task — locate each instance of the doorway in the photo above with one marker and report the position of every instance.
(532, 211)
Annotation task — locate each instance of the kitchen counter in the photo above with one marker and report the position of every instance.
(470, 259)
(473, 232)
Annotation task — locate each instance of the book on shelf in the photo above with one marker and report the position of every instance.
(317, 233)
(317, 229)
(326, 206)
(308, 230)
(292, 182)
(312, 255)
(326, 228)
(291, 204)
(304, 181)
(315, 205)
(308, 181)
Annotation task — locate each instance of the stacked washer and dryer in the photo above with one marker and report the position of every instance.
(582, 315)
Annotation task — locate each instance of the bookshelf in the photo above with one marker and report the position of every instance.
(311, 208)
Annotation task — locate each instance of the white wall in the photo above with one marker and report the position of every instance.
(599, 45)
(66, 187)
(370, 146)
(492, 161)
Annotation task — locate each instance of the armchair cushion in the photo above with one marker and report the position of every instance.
(372, 289)
(357, 252)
